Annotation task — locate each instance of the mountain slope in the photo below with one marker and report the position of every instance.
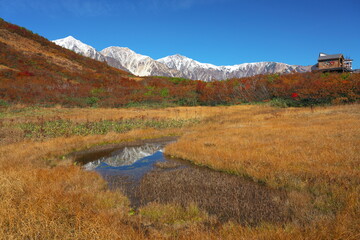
(175, 65)
(79, 47)
(138, 64)
(121, 58)
(35, 70)
(21, 50)
(195, 70)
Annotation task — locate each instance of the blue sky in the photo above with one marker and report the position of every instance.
(222, 32)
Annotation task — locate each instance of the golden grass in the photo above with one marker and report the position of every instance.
(43, 196)
(10, 118)
(311, 154)
(63, 202)
(31, 47)
(21, 113)
(271, 146)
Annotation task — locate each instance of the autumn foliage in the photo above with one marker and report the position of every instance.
(34, 70)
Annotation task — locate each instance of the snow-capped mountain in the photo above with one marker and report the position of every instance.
(79, 47)
(175, 65)
(195, 70)
(138, 64)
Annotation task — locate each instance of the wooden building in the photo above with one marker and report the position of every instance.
(334, 62)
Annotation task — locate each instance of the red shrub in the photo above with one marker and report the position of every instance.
(25, 74)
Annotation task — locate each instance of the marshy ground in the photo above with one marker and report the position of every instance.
(301, 167)
(155, 178)
(226, 196)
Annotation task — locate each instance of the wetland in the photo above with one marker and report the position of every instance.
(146, 175)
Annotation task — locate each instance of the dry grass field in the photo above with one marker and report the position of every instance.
(20, 113)
(310, 154)
(314, 154)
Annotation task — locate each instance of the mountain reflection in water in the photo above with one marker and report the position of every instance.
(125, 157)
(145, 175)
(131, 162)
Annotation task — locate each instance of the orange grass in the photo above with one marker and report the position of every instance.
(11, 117)
(62, 202)
(312, 154)
(30, 114)
(270, 145)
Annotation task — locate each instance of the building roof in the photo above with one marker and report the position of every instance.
(323, 56)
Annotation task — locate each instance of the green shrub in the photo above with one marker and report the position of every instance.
(97, 91)
(282, 103)
(150, 92)
(179, 80)
(164, 92)
(92, 101)
(272, 77)
(3, 103)
(345, 76)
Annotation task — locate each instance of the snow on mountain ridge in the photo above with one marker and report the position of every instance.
(175, 65)
(79, 47)
(204, 71)
(135, 63)
(138, 64)
(179, 61)
(171, 60)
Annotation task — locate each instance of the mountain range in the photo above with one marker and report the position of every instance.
(34, 70)
(174, 66)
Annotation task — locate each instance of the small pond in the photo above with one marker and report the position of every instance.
(145, 174)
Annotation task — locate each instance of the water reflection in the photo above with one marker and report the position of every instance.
(125, 168)
(126, 157)
(145, 175)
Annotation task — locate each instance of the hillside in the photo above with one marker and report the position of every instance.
(32, 67)
(34, 70)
